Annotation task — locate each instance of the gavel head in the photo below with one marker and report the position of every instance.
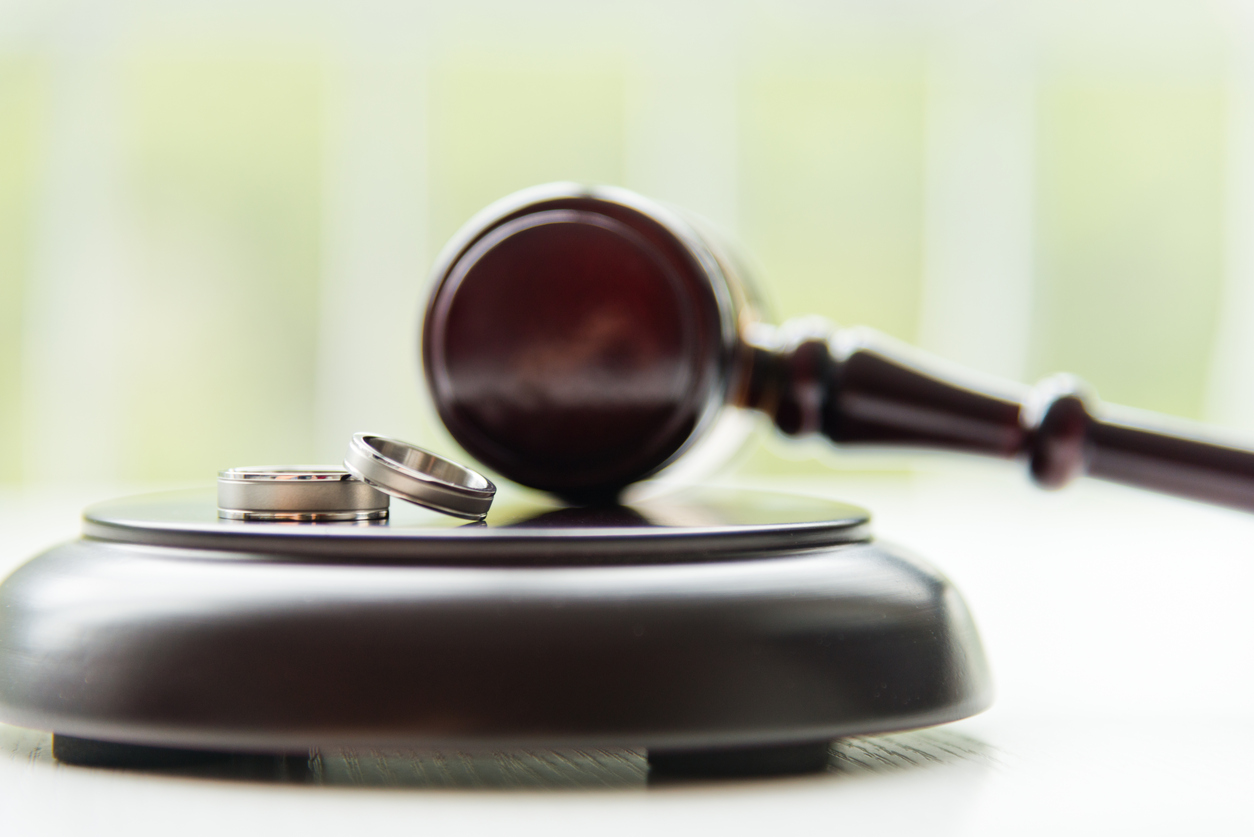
(578, 339)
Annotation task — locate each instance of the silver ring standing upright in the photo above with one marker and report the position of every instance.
(419, 476)
(309, 493)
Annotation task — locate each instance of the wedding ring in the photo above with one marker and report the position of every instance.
(419, 476)
(308, 493)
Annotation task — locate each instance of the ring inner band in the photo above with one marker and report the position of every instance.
(428, 465)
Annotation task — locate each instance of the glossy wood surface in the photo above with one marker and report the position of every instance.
(580, 641)
(859, 389)
(576, 341)
(575, 347)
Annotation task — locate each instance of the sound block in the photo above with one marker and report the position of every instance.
(705, 625)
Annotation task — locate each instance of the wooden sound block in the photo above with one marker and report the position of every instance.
(708, 626)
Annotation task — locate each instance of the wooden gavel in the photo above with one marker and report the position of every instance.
(578, 339)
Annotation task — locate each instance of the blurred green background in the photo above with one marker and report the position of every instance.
(216, 219)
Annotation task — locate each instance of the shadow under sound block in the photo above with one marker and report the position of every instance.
(726, 632)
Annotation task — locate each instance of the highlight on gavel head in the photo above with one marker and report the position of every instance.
(578, 339)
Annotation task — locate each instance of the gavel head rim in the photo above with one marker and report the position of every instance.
(700, 278)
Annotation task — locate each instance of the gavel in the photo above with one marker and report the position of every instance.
(578, 339)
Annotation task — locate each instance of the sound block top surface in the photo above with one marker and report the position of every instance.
(641, 625)
(677, 526)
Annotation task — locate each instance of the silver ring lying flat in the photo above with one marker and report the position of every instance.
(297, 492)
(419, 476)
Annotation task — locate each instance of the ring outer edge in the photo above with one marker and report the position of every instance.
(369, 467)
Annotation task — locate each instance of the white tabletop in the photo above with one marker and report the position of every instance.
(1118, 626)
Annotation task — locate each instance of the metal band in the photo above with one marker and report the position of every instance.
(297, 493)
(419, 476)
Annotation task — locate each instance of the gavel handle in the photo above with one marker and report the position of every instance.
(859, 388)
